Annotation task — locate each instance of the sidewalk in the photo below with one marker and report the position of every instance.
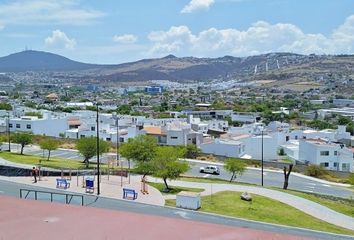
(110, 188)
(309, 207)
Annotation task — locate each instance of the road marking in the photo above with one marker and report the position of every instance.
(206, 175)
(310, 186)
(308, 191)
(182, 214)
(326, 185)
(311, 183)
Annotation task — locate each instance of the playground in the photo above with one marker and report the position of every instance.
(118, 186)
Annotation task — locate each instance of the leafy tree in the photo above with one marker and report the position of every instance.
(49, 145)
(163, 106)
(166, 164)
(22, 138)
(142, 150)
(192, 151)
(124, 109)
(88, 148)
(234, 166)
(5, 106)
(344, 120)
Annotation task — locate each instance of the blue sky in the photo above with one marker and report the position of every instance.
(116, 31)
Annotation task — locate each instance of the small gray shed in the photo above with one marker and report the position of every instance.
(188, 200)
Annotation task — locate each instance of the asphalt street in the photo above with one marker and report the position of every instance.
(13, 189)
(253, 176)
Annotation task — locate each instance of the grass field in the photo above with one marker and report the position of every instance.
(173, 190)
(262, 209)
(57, 163)
(345, 206)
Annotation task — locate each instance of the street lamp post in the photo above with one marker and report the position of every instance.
(8, 130)
(98, 150)
(262, 156)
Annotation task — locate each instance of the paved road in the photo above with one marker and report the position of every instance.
(12, 189)
(271, 179)
(275, 179)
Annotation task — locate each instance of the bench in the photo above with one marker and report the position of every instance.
(129, 194)
(62, 183)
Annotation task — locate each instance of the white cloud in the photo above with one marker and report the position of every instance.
(260, 37)
(44, 12)
(60, 40)
(125, 39)
(196, 5)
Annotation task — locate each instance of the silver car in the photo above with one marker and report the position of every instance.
(210, 169)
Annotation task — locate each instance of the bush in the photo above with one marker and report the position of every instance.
(315, 171)
(351, 179)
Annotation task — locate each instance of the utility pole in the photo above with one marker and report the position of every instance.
(8, 130)
(98, 150)
(262, 157)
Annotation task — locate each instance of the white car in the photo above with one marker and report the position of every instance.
(210, 169)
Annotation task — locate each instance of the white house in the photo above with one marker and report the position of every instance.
(332, 156)
(48, 127)
(223, 147)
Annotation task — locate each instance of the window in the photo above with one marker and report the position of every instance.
(325, 164)
(82, 136)
(28, 126)
(18, 125)
(295, 137)
(108, 139)
(174, 137)
(324, 153)
(345, 167)
(92, 128)
(10, 125)
(335, 164)
(335, 153)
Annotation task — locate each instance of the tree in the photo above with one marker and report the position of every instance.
(22, 138)
(192, 151)
(166, 164)
(49, 145)
(234, 166)
(88, 148)
(5, 106)
(142, 151)
(124, 109)
(286, 176)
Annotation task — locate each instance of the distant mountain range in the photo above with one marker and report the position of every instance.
(39, 61)
(273, 66)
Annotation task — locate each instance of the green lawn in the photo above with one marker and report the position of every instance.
(174, 190)
(57, 163)
(262, 209)
(345, 206)
(212, 180)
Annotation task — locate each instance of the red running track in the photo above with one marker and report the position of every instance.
(28, 219)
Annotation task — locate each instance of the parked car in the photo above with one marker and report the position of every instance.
(210, 169)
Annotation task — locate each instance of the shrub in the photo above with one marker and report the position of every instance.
(315, 171)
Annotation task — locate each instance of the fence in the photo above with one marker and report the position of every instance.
(68, 196)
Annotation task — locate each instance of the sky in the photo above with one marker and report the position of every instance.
(117, 31)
